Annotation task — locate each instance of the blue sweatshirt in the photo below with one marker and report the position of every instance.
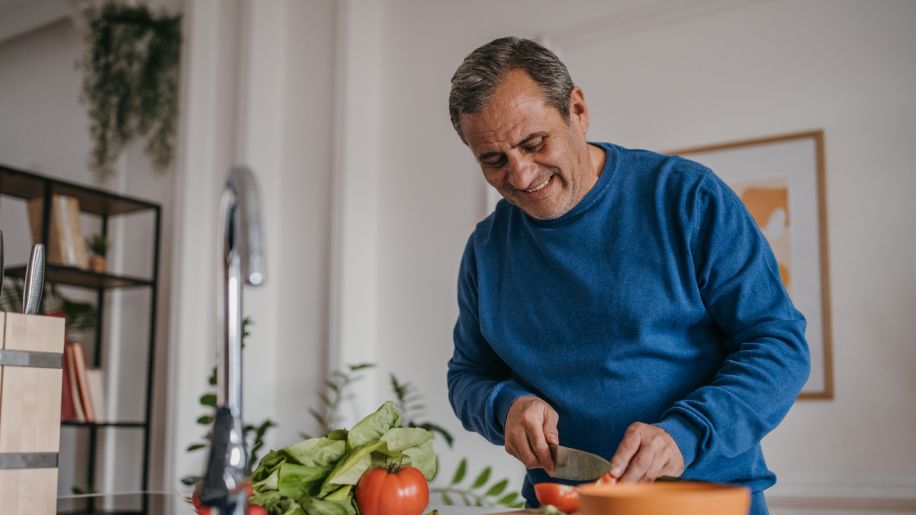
(656, 299)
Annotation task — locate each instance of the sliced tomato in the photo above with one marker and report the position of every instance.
(606, 479)
(564, 497)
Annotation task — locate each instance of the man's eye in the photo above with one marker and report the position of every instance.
(495, 161)
(534, 147)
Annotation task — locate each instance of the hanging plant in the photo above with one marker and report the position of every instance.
(130, 82)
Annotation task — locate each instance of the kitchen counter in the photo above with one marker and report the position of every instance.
(164, 503)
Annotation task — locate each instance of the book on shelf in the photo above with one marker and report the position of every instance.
(66, 245)
(83, 398)
(73, 384)
(67, 407)
(96, 380)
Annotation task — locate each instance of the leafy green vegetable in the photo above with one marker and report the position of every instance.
(374, 426)
(319, 475)
(423, 458)
(316, 452)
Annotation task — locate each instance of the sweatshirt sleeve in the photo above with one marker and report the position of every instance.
(766, 362)
(480, 385)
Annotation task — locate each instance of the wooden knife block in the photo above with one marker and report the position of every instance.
(31, 350)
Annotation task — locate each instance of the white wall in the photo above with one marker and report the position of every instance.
(257, 91)
(674, 77)
(44, 128)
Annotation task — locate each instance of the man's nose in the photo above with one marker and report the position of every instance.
(521, 171)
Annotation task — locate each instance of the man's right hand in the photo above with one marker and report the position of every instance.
(530, 425)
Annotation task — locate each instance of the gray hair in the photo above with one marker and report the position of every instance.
(483, 69)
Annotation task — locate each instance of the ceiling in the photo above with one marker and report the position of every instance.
(20, 16)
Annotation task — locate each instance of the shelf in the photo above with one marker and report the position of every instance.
(28, 185)
(103, 424)
(73, 276)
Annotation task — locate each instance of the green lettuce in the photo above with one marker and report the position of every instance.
(374, 426)
(318, 476)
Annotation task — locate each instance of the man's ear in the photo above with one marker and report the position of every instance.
(578, 110)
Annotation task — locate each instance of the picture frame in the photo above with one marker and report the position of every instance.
(781, 180)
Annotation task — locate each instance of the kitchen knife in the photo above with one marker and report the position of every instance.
(576, 465)
(34, 280)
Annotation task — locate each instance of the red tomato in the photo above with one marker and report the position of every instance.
(204, 510)
(564, 497)
(606, 479)
(384, 492)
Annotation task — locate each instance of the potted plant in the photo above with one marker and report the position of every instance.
(98, 245)
(130, 83)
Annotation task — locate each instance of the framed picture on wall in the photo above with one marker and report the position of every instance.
(781, 181)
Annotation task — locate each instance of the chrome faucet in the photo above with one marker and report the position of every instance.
(223, 486)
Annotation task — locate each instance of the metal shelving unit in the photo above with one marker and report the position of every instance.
(103, 204)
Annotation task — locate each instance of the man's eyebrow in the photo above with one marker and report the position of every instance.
(527, 139)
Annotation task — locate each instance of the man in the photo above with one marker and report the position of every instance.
(617, 301)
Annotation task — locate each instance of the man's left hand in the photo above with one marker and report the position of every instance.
(646, 453)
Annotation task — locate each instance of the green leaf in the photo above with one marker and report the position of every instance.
(189, 480)
(208, 399)
(497, 488)
(361, 366)
(294, 481)
(460, 472)
(508, 499)
(195, 446)
(435, 428)
(481, 479)
(269, 500)
(399, 438)
(424, 459)
(316, 452)
(447, 500)
(270, 462)
(271, 482)
(326, 507)
(349, 470)
(337, 434)
(340, 495)
(205, 419)
(374, 426)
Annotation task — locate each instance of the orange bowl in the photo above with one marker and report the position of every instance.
(677, 497)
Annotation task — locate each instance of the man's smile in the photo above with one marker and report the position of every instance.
(540, 186)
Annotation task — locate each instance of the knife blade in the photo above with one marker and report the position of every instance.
(34, 280)
(576, 465)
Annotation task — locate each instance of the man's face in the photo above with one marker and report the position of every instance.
(535, 158)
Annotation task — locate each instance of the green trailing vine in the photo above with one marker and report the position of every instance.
(130, 83)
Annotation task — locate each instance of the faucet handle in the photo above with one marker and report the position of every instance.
(220, 487)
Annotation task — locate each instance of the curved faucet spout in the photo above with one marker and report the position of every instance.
(242, 261)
